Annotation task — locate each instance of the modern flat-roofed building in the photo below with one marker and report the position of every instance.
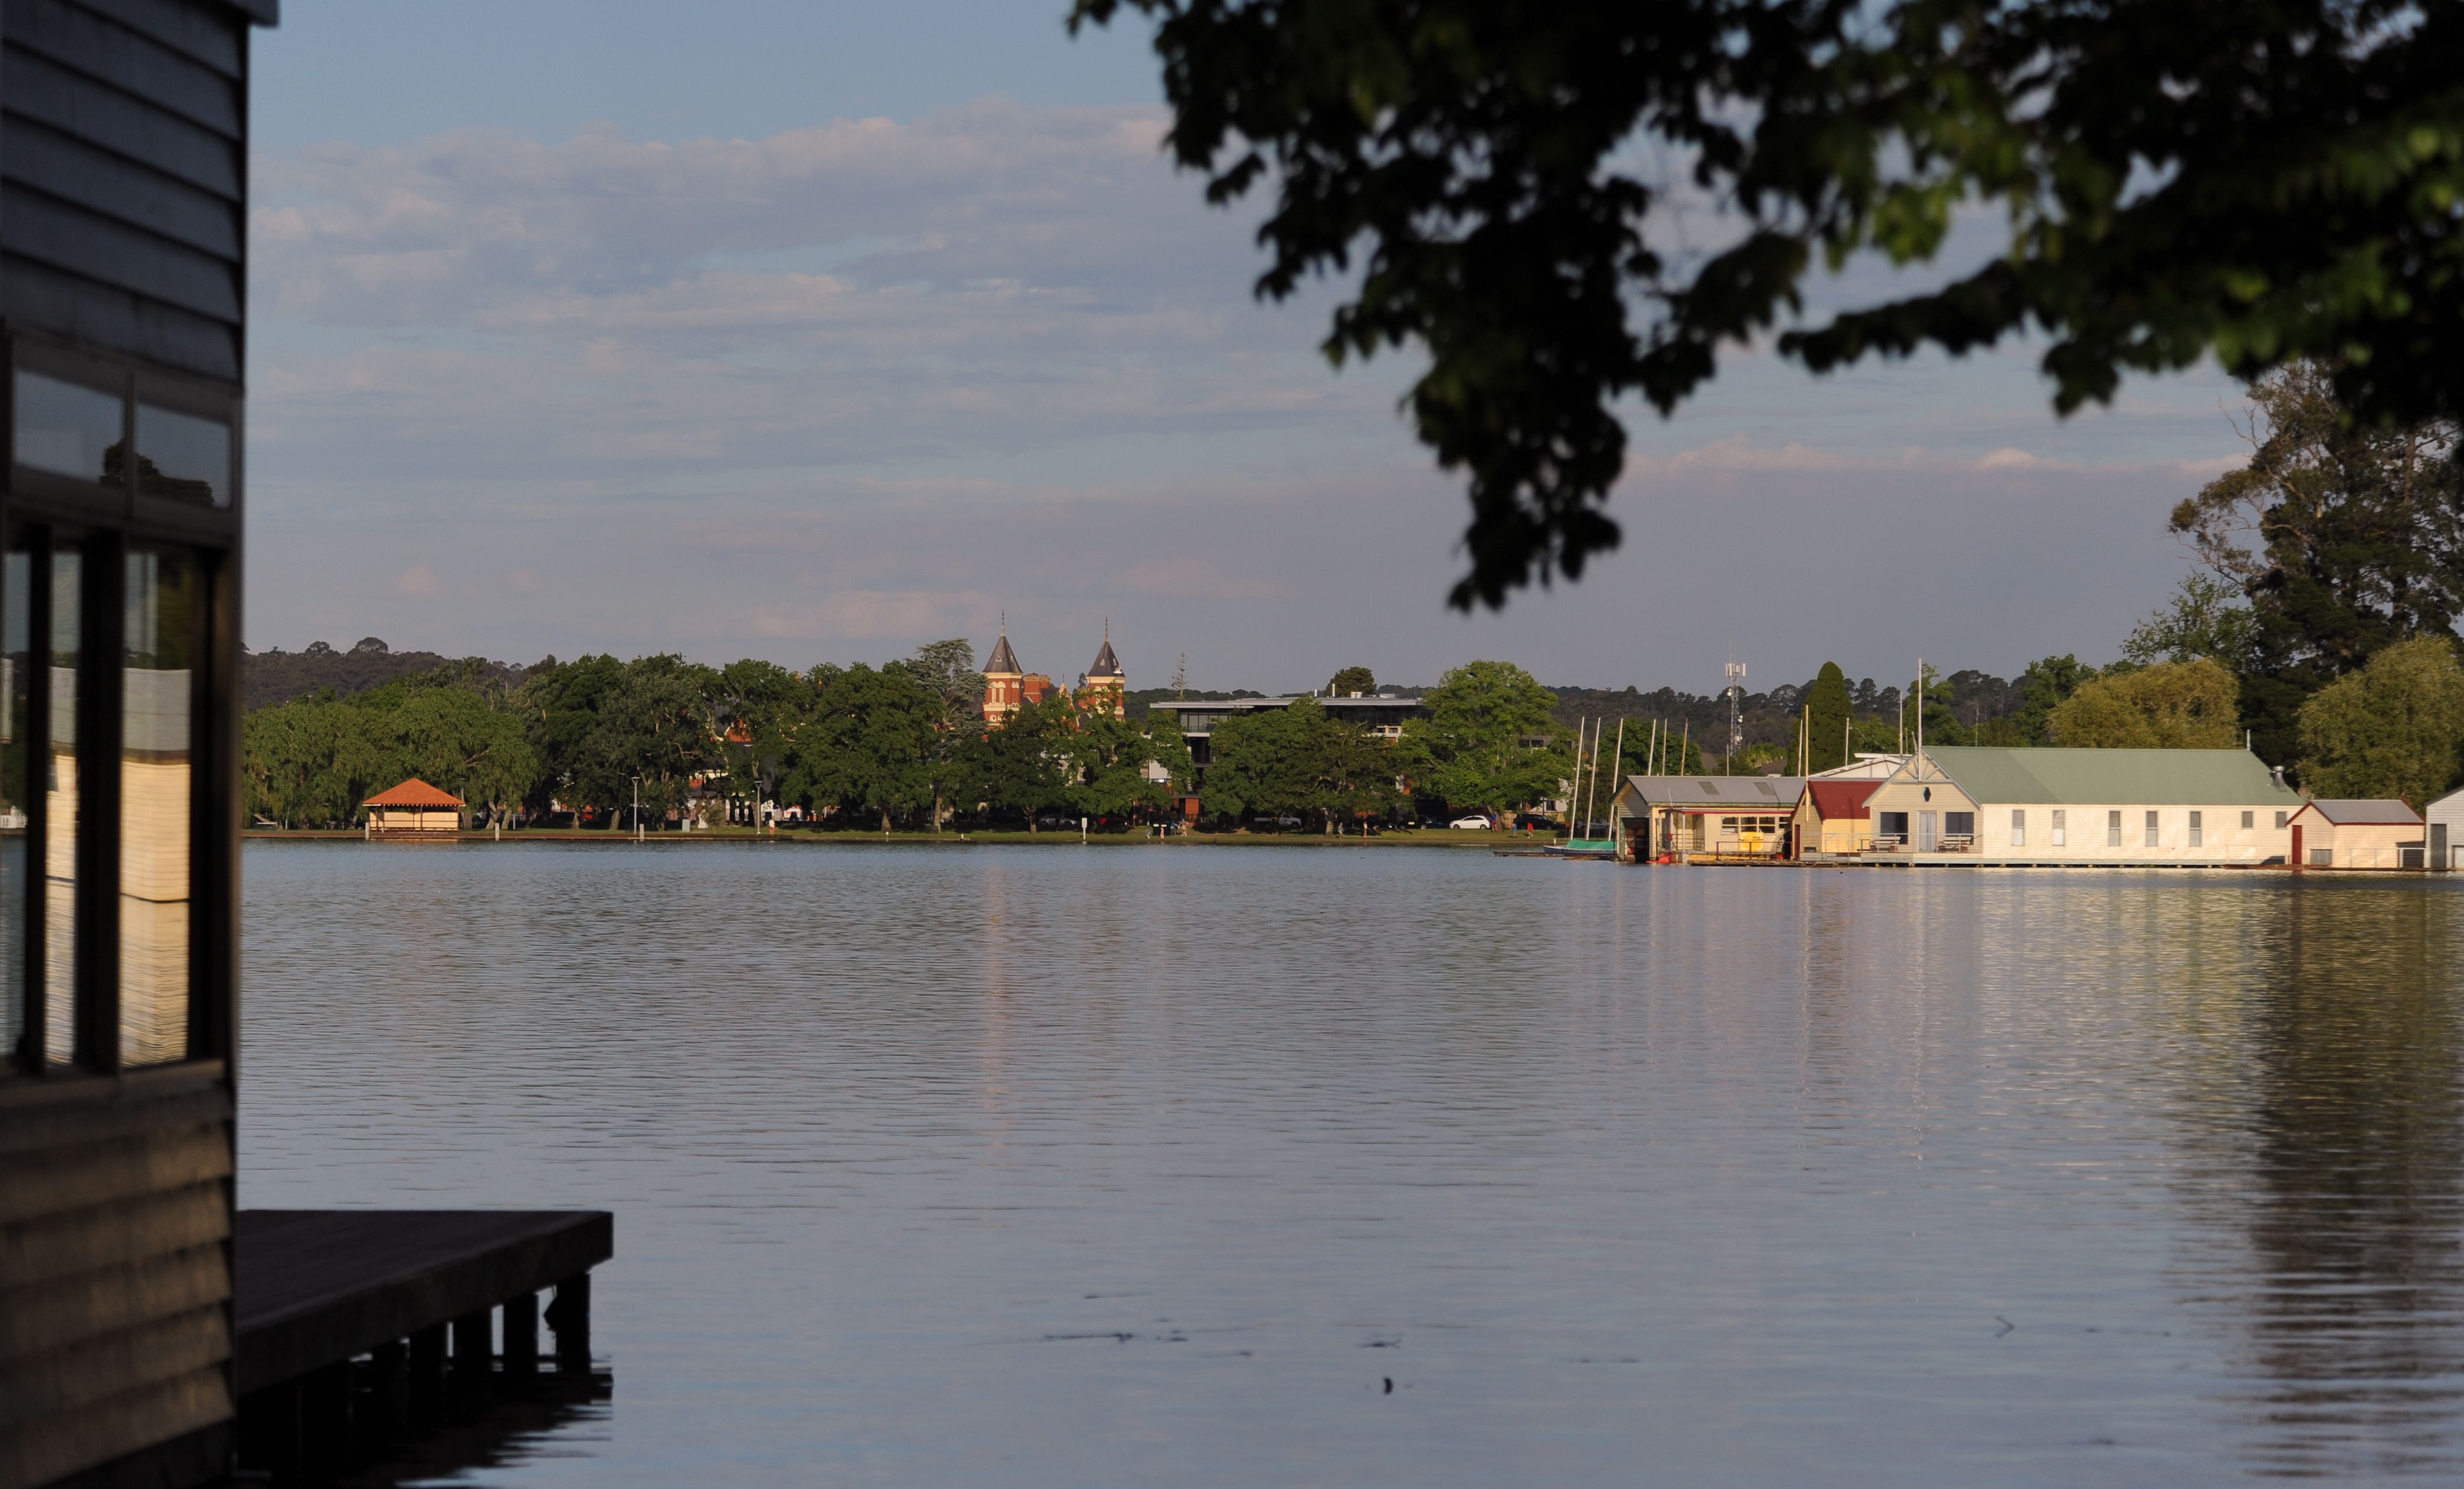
(1382, 713)
(2330, 833)
(124, 152)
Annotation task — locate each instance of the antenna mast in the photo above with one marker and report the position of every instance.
(1736, 723)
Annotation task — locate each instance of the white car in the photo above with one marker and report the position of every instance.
(1476, 824)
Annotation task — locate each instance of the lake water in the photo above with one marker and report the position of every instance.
(1155, 1164)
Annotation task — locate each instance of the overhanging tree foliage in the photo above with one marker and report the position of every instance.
(2263, 183)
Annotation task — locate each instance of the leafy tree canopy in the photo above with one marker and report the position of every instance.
(2169, 705)
(2180, 177)
(1351, 680)
(1475, 748)
(1826, 713)
(2346, 537)
(2395, 728)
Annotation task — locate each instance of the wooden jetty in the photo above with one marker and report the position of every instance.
(355, 1325)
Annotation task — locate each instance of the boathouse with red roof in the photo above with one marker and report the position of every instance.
(414, 809)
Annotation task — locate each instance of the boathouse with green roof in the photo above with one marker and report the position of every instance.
(2059, 808)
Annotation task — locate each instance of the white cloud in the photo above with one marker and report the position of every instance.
(853, 386)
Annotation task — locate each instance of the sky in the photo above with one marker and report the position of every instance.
(816, 331)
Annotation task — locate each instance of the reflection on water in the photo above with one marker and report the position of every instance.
(2339, 1170)
(1054, 1165)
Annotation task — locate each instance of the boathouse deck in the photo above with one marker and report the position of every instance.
(415, 1292)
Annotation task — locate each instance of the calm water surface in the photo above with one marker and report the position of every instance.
(1131, 1165)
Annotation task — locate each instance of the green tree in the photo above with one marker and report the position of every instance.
(1022, 766)
(2181, 179)
(1826, 714)
(1475, 747)
(2042, 688)
(1931, 695)
(869, 745)
(2206, 617)
(645, 741)
(1107, 762)
(1264, 764)
(946, 669)
(2395, 728)
(450, 737)
(1351, 680)
(2169, 705)
(753, 711)
(559, 706)
(2347, 537)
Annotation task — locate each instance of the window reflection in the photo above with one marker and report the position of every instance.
(16, 572)
(154, 807)
(60, 816)
(68, 430)
(183, 457)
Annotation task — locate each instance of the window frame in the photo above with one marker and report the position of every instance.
(54, 513)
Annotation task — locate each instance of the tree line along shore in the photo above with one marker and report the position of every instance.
(2317, 626)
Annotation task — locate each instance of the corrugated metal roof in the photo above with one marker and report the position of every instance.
(2364, 811)
(1744, 793)
(2117, 777)
(1842, 801)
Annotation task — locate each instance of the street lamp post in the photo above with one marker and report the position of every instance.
(637, 809)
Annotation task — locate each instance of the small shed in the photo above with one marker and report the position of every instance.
(414, 809)
(1725, 816)
(2445, 820)
(2356, 834)
(1836, 816)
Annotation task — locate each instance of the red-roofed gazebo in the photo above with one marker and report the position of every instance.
(414, 809)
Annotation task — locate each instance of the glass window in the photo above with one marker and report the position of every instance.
(2151, 830)
(154, 807)
(68, 430)
(2018, 828)
(2282, 820)
(2198, 829)
(2249, 820)
(60, 812)
(183, 457)
(2113, 829)
(1958, 824)
(1895, 824)
(2061, 826)
(16, 678)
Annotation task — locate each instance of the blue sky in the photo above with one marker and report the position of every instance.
(817, 331)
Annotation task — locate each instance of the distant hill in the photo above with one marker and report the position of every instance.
(277, 676)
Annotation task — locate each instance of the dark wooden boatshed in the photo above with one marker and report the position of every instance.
(124, 171)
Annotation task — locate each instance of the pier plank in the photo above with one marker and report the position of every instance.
(321, 1286)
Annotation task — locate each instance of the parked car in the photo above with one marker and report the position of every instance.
(1535, 822)
(1285, 821)
(1473, 823)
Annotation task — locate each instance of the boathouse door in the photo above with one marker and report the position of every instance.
(2297, 859)
(1929, 831)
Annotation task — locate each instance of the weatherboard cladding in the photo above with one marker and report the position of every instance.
(2111, 777)
(122, 174)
